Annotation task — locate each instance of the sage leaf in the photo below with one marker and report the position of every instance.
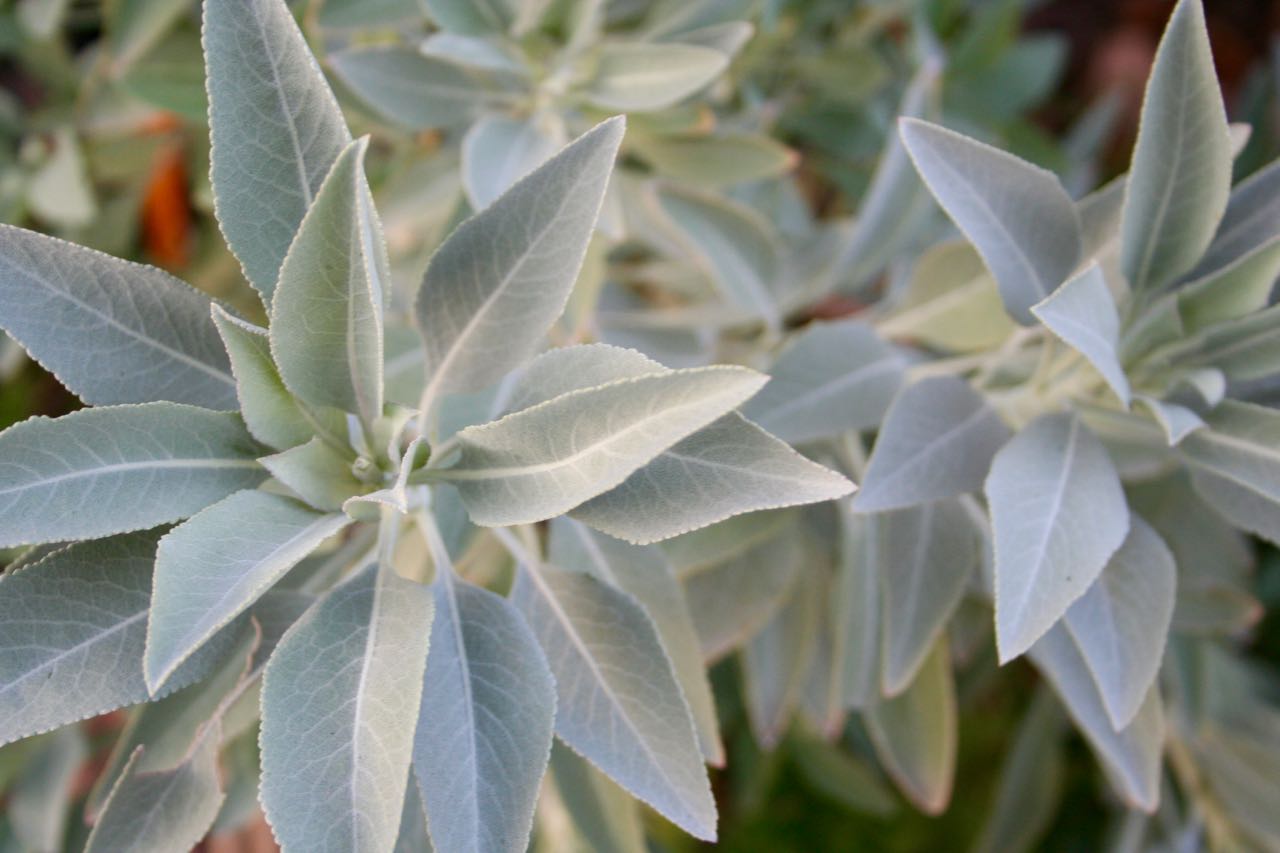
(724, 469)
(776, 661)
(1248, 223)
(832, 378)
(140, 335)
(326, 317)
(937, 441)
(1083, 313)
(500, 280)
(924, 558)
(1177, 421)
(1180, 176)
(168, 728)
(855, 610)
(1235, 290)
(168, 809)
(731, 601)
(316, 472)
(619, 704)
(730, 245)
(727, 468)
(271, 413)
(914, 734)
(606, 816)
(73, 632)
(1121, 622)
(63, 479)
(484, 729)
(1058, 514)
(645, 573)
(1017, 215)
(1235, 465)
(640, 76)
(340, 700)
(39, 802)
(547, 459)
(417, 92)
(498, 151)
(275, 129)
(216, 564)
(1131, 756)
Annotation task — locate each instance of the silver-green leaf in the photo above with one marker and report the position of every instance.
(619, 704)
(937, 441)
(545, 460)
(326, 316)
(276, 130)
(1058, 514)
(1180, 177)
(833, 377)
(340, 701)
(500, 280)
(1017, 215)
(1083, 313)
(484, 729)
(216, 564)
(97, 472)
(110, 330)
(1121, 622)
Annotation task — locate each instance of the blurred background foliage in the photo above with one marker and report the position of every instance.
(103, 142)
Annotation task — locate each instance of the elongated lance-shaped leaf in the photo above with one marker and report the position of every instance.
(97, 472)
(833, 377)
(340, 700)
(1176, 420)
(1235, 465)
(214, 565)
(1131, 756)
(326, 317)
(924, 557)
(1058, 514)
(1248, 225)
(619, 703)
(499, 281)
(855, 610)
(72, 634)
(1180, 177)
(484, 730)
(415, 90)
(39, 801)
(895, 199)
(110, 330)
(168, 809)
(646, 573)
(272, 414)
(776, 661)
(498, 151)
(937, 441)
(275, 127)
(1083, 313)
(606, 816)
(1121, 622)
(1017, 215)
(545, 460)
(317, 472)
(725, 469)
(914, 734)
(168, 727)
(642, 76)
